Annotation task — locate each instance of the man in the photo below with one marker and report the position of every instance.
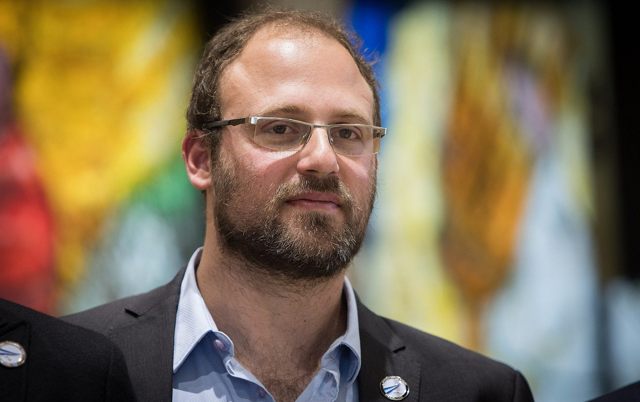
(283, 131)
(630, 392)
(45, 359)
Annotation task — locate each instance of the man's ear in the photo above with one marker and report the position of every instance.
(197, 160)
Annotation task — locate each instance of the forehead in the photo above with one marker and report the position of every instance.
(295, 68)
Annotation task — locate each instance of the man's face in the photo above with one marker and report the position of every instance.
(296, 215)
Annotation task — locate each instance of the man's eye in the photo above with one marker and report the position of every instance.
(348, 133)
(280, 129)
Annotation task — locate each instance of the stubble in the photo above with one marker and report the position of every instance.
(308, 246)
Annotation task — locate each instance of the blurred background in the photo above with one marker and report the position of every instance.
(505, 218)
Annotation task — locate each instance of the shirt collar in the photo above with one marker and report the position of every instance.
(351, 337)
(193, 322)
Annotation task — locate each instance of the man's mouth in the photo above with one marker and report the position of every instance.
(316, 200)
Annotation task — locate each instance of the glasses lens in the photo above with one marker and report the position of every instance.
(279, 134)
(355, 139)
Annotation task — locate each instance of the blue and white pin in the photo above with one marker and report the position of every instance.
(12, 354)
(394, 388)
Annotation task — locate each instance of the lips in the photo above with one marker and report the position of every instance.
(316, 199)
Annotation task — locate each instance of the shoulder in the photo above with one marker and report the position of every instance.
(445, 353)
(121, 312)
(59, 333)
(630, 392)
(423, 346)
(143, 327)
(444, 370)
(51, 335)
(64, 360)
(104, 317)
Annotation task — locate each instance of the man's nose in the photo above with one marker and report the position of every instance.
(317, 157)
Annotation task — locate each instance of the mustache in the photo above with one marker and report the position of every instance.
(312, 183)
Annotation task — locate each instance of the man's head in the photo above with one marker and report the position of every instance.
(294, 215)
(230, 40)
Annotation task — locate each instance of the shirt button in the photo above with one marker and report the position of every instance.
(261, 393)
(221, 346)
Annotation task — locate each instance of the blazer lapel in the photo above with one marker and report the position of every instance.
(383, 354)
(147, 342)
(13, 380)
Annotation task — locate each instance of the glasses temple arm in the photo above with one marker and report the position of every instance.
(223, 123)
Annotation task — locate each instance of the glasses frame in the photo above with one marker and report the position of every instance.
(378, 132)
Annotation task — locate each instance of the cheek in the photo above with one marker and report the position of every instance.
(360, 176)
(258, 172)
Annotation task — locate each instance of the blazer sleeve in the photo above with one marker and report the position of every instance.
(118, 385)
(522, 392)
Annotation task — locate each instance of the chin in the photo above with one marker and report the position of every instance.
(317, 224)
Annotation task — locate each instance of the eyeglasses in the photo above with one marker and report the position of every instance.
(282, 134)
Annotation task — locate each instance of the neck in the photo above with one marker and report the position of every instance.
(279, 328)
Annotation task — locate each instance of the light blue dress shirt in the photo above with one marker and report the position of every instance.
(205, 369)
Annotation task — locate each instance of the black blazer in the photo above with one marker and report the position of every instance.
(435, 370)
(63, 362)
(630, 392)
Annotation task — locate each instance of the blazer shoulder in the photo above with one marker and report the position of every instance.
(65, 361)
(448, 371)
(102, 318)
(106, 317)
(443, 351)
(59, 331)
(629, 392)
(422, 345)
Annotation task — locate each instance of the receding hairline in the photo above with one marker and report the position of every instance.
(280, 29)
(284, 28)
(291, 25)
(231, 41)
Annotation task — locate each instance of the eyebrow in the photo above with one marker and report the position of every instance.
(297, 111)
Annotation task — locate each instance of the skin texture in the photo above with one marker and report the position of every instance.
(282, 321)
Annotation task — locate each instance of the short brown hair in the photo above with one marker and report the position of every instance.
(230, 40)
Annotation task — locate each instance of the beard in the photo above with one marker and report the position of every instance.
(308, 246)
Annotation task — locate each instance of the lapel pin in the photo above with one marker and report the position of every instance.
(12, 354)
(394, 388)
